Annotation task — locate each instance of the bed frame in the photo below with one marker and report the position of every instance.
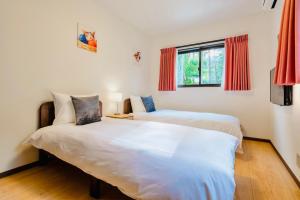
(46, 118)
(127, 106)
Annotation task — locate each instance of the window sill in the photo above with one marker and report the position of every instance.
(206, 85)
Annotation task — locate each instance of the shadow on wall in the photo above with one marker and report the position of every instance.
(286, 130)
(19, 159)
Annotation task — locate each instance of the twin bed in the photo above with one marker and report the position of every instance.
(211, 121)
(144, 159)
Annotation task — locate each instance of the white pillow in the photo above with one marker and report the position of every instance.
(64, 109)
(137, 104)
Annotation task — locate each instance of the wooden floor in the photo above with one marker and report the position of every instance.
(259, 175)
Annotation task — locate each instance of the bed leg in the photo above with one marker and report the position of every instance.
(43, 157)
(95, 190)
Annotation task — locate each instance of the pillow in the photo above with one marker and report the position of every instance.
(87, 109)
(137, 104)
(64, 110)
(149, 104)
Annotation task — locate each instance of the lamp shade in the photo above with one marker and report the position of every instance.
(116, 97)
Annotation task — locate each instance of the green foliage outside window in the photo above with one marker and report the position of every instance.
(212, 64)
(190, 64)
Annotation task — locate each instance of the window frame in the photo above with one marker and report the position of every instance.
(200, 49)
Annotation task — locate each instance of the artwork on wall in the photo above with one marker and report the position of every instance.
(137, 56)
(86, 38)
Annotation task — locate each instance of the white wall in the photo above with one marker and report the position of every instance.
(251, 107)
(38, 54)
(285, 120)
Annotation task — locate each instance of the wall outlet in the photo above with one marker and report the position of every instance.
(298, 160)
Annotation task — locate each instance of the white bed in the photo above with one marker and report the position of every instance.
(211, 121)
(148, 160)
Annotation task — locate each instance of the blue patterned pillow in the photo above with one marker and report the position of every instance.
(149, 104)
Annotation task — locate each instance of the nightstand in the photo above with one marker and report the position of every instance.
(121, 116)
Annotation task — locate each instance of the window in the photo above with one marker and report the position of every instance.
(200, 67)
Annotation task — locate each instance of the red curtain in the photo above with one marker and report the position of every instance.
(237, 76)
(287, 70)
(167, 81)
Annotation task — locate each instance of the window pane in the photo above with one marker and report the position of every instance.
(212, 64)
(187, 69)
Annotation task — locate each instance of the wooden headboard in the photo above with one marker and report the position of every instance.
(127, 106)
(47, 115)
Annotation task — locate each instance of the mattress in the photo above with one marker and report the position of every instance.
(147, 160)
(225, 123)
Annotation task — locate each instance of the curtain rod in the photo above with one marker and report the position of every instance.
(189, 45)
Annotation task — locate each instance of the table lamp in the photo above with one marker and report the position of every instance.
(117, 98)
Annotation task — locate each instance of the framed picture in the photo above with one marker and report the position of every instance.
(86, 38)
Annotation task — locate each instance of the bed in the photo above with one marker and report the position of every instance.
(225, 123)
(145, 160)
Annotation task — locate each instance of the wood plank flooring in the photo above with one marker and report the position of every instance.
(259, 175)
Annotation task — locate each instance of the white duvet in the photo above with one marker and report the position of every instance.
(148, 160)
(212, 121)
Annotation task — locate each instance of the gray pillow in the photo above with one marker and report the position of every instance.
(87, 109)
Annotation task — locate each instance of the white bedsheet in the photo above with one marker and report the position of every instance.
(147, 160)
(212, 121)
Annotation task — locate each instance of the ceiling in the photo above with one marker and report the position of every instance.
(161, 16)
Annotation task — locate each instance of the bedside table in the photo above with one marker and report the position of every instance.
(121, 116)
